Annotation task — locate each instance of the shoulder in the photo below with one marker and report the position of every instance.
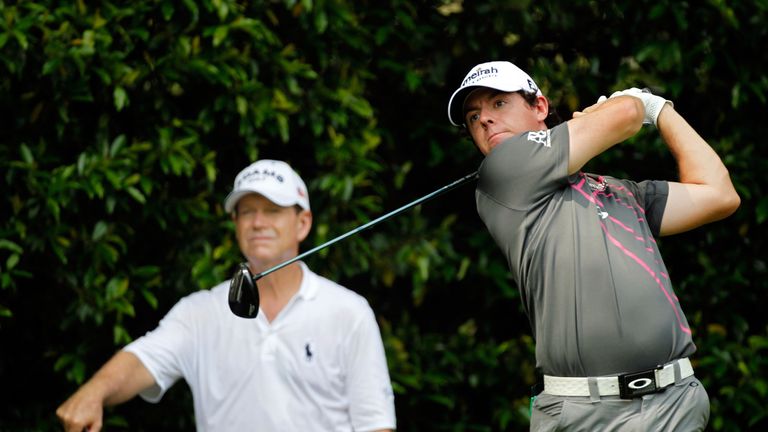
(211, 301)
(206, 295)
(519, 153)
(337, 300)
(332, 291)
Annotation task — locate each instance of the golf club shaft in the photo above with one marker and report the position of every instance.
(365, 226)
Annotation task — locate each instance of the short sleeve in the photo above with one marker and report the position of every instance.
(526, 167)
(370, 389)
(163, 350)
(654, 194)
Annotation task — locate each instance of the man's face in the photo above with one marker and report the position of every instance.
(492, 116)
(267, 233)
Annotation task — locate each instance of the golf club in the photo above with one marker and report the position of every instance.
(243, 292)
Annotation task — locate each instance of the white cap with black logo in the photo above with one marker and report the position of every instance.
(273, 179)
(499, 75)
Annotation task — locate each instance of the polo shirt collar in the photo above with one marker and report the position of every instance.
(309, 285)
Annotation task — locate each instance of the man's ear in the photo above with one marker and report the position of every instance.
(303, 224)
(542, 108)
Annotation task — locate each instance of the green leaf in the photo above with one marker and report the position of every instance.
(761, 210)
(99, 230)
(116, 288)
(63, 361)
(22, 39)
(283, 128)
(167, 9)
(220, 35)
(5, 312)
(132, 179)
(26, 154)
(321, 21)
(77, 372)
(150, 298)
(136, 194)
(146, 271)
(242, 105)
(81, 161)
(11, 246)
(120, 335)
(116, 145)
(193, 9)
(120, 97)
(11, 262)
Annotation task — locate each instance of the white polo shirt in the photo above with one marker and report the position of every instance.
(319, 366)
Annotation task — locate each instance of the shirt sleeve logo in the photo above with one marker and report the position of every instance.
(541, 137)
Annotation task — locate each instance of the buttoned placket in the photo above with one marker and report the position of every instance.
(270, 339)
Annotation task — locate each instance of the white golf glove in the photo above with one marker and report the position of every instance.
(652, 103)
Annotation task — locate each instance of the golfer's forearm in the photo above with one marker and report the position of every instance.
(697, 162)
(120, 379)
(601, 127)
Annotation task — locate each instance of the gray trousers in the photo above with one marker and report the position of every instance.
(681, 407)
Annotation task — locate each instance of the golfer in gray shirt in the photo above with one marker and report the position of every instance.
(611, 337)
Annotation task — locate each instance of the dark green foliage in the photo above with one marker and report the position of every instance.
(124, 123)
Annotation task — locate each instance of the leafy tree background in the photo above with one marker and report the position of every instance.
(124, 123)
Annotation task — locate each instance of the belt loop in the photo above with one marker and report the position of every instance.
(594, 392)
(678, 374)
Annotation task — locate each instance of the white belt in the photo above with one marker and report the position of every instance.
(626, 385)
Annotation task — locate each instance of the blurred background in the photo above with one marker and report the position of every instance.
(123, 124)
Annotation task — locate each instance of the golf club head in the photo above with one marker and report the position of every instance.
(243, 293)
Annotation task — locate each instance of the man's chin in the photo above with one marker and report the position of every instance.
(265, 260)
(262, 256)
(497, 139)
(492, 144)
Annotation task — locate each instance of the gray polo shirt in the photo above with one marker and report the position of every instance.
(582, 251)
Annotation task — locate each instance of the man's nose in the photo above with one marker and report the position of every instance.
(258, 218)
(485, 118)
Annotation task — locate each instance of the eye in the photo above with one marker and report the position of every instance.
(498, 103)
(471, 118)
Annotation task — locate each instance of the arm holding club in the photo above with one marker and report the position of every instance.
(119, 380)
(704, 192)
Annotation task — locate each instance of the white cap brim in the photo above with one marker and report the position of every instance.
(281, 200)
(272, 179)
(498, 75)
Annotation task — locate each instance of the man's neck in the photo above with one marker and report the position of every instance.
(278, 288)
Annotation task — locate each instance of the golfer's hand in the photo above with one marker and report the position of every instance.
(83, 411)
(653, 104)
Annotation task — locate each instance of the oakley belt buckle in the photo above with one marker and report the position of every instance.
(636, 384)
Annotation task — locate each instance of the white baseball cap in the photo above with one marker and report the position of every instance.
(499, 75)
(273, 179)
